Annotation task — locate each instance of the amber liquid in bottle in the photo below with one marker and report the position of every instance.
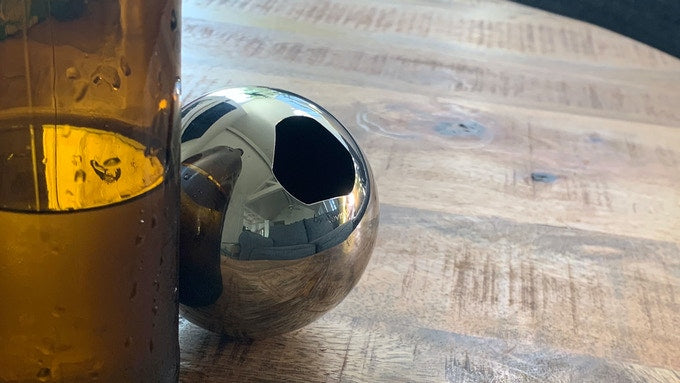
(88, 191)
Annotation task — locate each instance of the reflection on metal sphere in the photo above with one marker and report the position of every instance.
(279, 212)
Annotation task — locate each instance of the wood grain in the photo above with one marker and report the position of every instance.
(527, 167)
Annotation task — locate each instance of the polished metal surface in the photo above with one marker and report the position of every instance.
(270, 249)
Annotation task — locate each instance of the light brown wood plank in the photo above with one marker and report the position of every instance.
(527, 167)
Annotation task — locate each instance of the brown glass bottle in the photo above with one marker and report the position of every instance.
(89, 190)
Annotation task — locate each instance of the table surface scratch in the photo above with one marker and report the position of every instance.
(527, 167)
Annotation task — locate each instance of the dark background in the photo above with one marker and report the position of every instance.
(653, 22)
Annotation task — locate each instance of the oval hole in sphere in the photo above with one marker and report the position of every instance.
(310, 162)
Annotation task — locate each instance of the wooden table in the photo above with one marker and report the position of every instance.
(529, 179)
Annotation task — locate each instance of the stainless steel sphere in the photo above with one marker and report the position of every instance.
(279, 212)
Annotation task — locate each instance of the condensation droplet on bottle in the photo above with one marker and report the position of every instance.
(186, 176)
(173, 20)
(160, 261)
(46, 346)
(116, 82)
(95, 370)
(156, 285)
(154, 309)
(44, 374)
(139, 240)
(151, 153)
(43, 350)
(178, 86)
(125, 67)
(107, 74)
(133, 292)
(72, 73)
(10, 156)
(162, 105)
(150, 345)
(154, 221)
(142, 221)
(80, 90)
(80, 176)
(128, 341)
(58, 311)
(44, 161)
